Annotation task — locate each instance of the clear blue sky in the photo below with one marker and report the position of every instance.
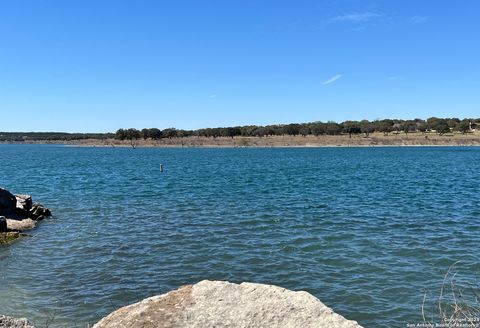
(95, 66)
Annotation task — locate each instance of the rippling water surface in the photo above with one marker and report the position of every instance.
(367, 230)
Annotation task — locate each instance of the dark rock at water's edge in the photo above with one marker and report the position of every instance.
(9, 322)
(39, 212)
(3, 224)
(7, 199)
(18, 213)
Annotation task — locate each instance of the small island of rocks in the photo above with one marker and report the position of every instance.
(18, 213)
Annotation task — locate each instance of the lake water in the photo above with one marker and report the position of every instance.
(366, 230)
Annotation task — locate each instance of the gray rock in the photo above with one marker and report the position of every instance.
(9, 322)
(24, 202)
(7, 200)
(20, 225)
(223, 304)
(39, 212)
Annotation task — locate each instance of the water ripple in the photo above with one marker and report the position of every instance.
(365, 230)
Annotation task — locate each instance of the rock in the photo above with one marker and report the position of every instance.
(17, 214)
(223, 304)
(20, 225)
(39, 212)
(9, 322)
(7, 200)
(3, 224)
(24, 202)
(19, 207)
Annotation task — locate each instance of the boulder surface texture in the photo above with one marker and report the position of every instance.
(223, 304)
(9, 322)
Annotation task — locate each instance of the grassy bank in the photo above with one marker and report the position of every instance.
(375, 139)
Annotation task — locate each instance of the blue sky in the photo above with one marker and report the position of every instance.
(96, 66)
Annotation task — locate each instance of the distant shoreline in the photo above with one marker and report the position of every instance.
(373, 140)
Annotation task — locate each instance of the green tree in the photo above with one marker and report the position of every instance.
(133, 135)
(155, 133)
(145, 134)
(366, 127)
(247, 131)
(385, 126)
(304, 130)
(121, 134)
(332, 128)
(463, 126)
(452, 122)
(231, 132)
(442, 127)
(318, 128)
(292, 129)
(351, 127)
(170, 133)
(408, 126)
(260, 132)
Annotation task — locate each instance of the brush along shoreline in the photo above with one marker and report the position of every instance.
(372, 140)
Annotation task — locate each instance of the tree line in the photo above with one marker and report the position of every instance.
(386, 126)
(51, 136)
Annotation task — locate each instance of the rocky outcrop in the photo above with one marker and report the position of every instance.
(223, 304)
(9, 322)
(18, 213)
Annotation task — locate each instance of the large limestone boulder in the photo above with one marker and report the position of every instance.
(223, 304)
(9, 322)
